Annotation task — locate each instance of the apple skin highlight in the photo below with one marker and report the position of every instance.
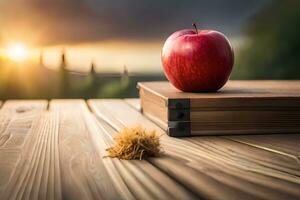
(197, 61)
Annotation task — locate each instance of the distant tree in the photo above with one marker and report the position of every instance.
(41, 58)
(90, 91)
(272, 50)
(65, 89)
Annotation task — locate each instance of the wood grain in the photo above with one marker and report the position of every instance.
(58, 154)
(232, 89)
(143, 179)
(83, 175)
(15, 129)
(241, 107)
(16, 118)
(22, 106)
(286, 144)
(37, 175)
(135, 103)
(193, 160)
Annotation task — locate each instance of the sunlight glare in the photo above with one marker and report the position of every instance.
(17, 52)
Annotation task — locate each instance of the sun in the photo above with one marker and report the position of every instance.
(17, 52)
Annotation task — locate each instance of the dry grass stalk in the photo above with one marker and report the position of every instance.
(135, 143)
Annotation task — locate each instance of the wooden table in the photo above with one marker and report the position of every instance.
(54, 150)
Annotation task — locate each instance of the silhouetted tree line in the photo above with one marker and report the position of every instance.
(272, 50)
(27, 80)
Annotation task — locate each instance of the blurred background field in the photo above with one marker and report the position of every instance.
(101, 49)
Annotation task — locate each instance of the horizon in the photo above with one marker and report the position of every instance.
(111, 34)
(106, 56)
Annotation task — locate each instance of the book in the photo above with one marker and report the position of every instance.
(240, 107)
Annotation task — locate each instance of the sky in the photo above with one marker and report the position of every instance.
(116, 32)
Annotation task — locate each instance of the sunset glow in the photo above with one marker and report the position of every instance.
(17, 52)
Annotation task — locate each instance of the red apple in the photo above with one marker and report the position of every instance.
(196, 61)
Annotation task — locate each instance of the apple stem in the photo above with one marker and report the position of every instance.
(195, 26)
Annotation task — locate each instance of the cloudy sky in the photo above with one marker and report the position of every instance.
(143, 22)
(50, 22)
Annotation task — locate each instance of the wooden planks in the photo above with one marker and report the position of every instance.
(22, 106)
(209, 159)
(135, 103)
(18, 119)
(286, 144)
(37, 175)
(86, 175)
(58, 154)
(83, 175)
(143, 180)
